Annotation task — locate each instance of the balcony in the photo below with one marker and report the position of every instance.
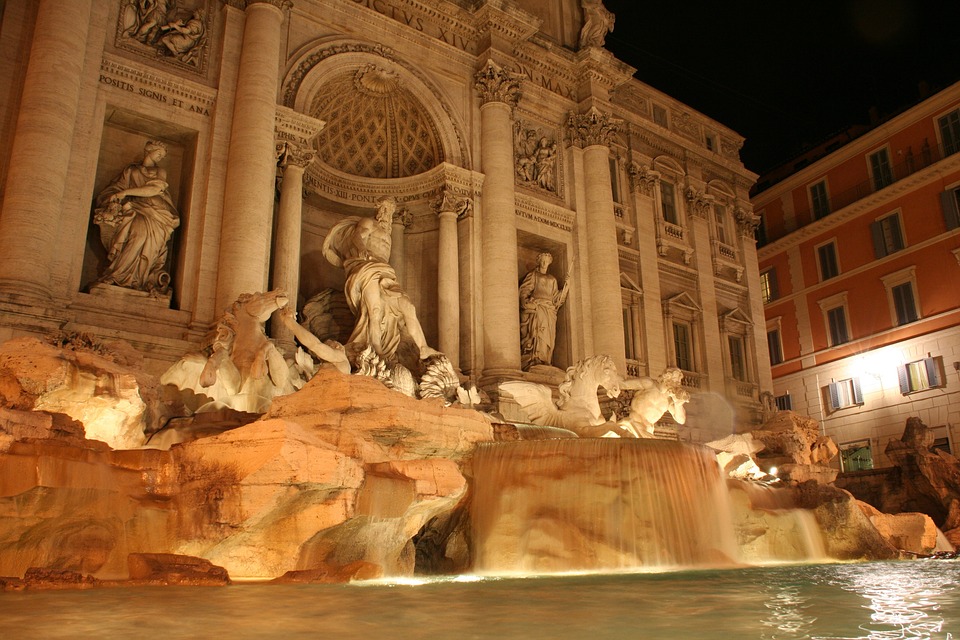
(910, 162)
(725, 259)
(672, 236)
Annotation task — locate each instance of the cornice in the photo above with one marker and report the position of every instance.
(506, 20)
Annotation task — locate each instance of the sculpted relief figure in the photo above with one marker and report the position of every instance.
(136, 216)
(382, 309)
(142, 19)
(536, 158)
(184, 37)
(597, 23)
(540, 298)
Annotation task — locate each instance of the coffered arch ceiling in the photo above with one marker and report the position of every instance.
(383, 119)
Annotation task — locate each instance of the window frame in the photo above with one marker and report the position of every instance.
(930, 369)
(844, 394)
(902, 277)
(819, 202)
(660, 115)
(828, 305)
(853, 445)
(818, 252)
(888, 234)
(950, 205)
(673, 203)
(881, 168)
(769, 285)
(783, 402)
(948, 130)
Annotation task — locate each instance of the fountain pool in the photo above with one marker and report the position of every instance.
(915, 599)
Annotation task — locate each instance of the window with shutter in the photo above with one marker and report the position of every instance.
(921, 375)
(845, 393)
(950, 204)
(887, 235)
(880, 169)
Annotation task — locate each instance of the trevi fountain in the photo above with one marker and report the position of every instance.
(302, 338)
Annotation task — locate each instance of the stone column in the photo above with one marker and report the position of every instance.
(592, 131)
(286, 248)
(449, 208)
(251, 163)
(41, 149)
(644, 184)
(499, 92)
(398, 243)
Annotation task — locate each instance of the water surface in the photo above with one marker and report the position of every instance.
(919, 599)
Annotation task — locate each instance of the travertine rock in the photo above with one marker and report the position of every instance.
(914, 533)
(114, 401)
(847, 533)
(169, 568)
(791, 435)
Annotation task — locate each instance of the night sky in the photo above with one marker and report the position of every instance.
(785, 74)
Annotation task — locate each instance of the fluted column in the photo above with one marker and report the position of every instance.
(251, 163)
(286, 246)
(449, 208)
(398, 243)
(41, 149)
(592, 131)
(499, 92)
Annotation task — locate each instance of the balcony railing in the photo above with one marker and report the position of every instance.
(910, 162)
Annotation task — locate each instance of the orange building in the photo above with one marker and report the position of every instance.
(860, 272)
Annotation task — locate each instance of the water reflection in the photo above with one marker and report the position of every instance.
(805, 602)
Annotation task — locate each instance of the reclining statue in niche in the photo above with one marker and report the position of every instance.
(136, 216)
(381, 308)
(578, 409)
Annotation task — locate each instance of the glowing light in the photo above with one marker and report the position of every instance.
(773, 471)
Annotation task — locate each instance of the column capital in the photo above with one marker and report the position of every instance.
(643, 178)
(592, 128)
(402, 217)
(279, 4)
(496, 84)
(294, 155)
(450, 202)
(700, 202)
(747, 222)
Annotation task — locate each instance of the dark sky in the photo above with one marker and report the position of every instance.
(785, 73)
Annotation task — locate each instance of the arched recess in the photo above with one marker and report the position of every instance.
(371, 68)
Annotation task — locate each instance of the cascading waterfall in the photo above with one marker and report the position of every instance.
(609, 504)
(601, 504)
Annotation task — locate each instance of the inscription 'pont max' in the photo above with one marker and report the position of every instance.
(416, 22)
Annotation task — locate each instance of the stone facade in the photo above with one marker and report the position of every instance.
(501, 131)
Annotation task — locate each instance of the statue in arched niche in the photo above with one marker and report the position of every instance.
(540, 299)
(137, 216)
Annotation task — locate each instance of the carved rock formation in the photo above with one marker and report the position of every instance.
(793, 444)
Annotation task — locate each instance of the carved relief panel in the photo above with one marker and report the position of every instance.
(175, 32)
(536, 158)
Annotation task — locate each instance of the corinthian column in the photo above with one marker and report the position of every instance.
(286, 252)
(592, 131)
(499, 92)
(398, 243)
(251, 163)
(40, 153)
(449, 208)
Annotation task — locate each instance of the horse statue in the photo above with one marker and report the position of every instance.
(578, 408)
(242, 369)
(652, 399)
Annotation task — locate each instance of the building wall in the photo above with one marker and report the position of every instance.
(921, 169)
(133, 91)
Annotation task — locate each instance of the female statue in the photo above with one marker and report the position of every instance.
(136, 216)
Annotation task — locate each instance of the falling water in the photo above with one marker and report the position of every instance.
(600, 504)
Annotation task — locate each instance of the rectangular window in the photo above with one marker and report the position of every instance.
(904, 304)
(775, 346)
(837, 321)
(738, 363)
(660, 115)
(880, 169)
(784, 403)
(769, 289)
(711, 142)
(887, 235)
(827, 259)
(856, 456)
(682, 346)
(845, 393)
(818, 198)
(668, 202)
(615, 180)
(950, 203)
(720, 220)
(921, 375)
(950, 132)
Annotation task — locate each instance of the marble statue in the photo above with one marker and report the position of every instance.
(242, 370)
(652, 399)
(540, 298)
(578, 409)
(183, 38)
(362, 247)
(330, 351)
(136, 216)
(597, 23)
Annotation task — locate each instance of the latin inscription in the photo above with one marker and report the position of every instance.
(548, 83)
(154, 94)
(416, 22)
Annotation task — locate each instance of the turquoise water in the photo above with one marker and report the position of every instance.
(919, 599)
